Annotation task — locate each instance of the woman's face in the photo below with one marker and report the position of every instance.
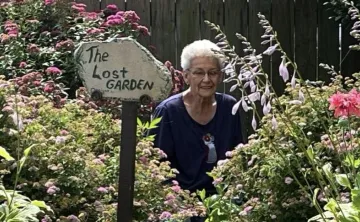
(203, 76)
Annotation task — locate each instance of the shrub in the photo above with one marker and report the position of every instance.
(74, 161)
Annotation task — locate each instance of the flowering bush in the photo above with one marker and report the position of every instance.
(74, 161)
(303, 159)
(38, 39)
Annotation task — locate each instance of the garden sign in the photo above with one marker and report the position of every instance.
(123, 69)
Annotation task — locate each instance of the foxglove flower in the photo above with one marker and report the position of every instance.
(284, 73)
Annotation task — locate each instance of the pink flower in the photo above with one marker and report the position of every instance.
(22, 65)
(52, 70)
(143, 30)
(131, 16)
(97, 161)
(217, 181)
(165, 215)
(345, 104)
(112, 7)
(176, 188)
(65, 45)
(33, 48)
(94, 31)
(49, 2)
(102, 190)
(78, 9)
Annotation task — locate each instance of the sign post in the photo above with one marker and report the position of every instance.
(125, 70)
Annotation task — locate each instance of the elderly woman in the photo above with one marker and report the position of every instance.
(197, 127)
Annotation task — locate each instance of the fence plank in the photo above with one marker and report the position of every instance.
(283, 23)
(187, 25)
(142, 9)
(351, 58)
(305, 38)
(91, 5)
(236, 21)
(119, 3)
(213, 11)
(163, 29)
(328, 45)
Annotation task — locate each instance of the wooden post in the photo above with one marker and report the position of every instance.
(127, 161)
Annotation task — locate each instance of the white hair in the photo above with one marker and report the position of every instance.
(200, 48)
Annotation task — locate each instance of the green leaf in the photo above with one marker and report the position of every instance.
(343, 180)
(357, 163)
(327, 170)
(154, 123)
(310, 153)
(331, 206)
(26, 154)
(140, 124)
(355, 197)
(5, 154)
(40, 204)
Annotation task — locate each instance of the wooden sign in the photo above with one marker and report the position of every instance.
(126, 70)
(122, 69)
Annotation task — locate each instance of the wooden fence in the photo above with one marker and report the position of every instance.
(303, 27)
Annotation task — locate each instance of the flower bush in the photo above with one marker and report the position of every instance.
(303, 158)
(74, 162)
(38, 39)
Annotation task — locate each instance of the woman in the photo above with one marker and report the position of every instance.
(197, 127)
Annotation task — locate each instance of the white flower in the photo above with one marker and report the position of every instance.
(274, 123)
(293, 80)
(270, 50)
(284, 73)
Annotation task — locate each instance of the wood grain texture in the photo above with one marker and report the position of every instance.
(119, 3)
(305, 38)
(328, 42)
(142, 9)
(187, 25)
(282, 20)
(163, 29)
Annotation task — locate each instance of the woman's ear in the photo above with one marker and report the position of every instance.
(186, 77)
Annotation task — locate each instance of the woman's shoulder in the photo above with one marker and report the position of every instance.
(226, 98)
(172, 101)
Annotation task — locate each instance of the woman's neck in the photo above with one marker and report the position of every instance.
(197, 103)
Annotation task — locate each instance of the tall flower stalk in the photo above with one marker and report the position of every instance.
(255, 87)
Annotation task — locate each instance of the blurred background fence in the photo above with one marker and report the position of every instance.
(303, 27)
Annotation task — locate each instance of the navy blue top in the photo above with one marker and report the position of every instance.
(181, 138)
